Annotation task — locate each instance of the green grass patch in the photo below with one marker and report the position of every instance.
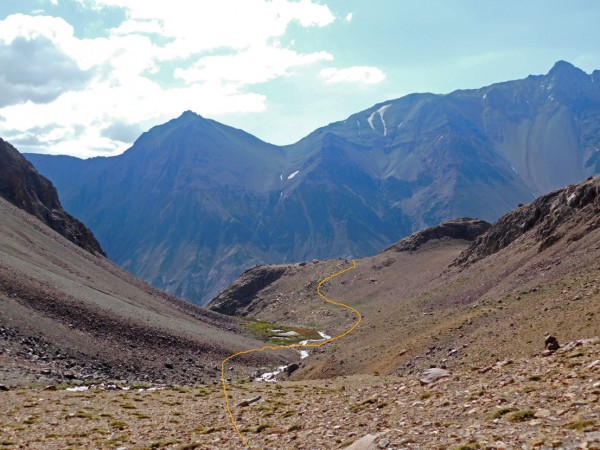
(501, 412)
(266, 331)
(118, 424)
(262, 427)
(163, 444)
(468, 447)
(522, 416)
(363, 404)
(580, 425)
(209, 430)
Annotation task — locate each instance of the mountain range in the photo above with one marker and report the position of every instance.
(195, 202)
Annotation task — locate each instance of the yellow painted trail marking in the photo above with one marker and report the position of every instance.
(279, 347)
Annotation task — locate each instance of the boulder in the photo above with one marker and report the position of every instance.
(249, 401)
(551, 344)
(433, 375)
(291, 368)
(364, 443)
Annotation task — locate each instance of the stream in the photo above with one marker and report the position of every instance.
(272, 376)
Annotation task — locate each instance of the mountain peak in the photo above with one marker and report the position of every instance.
(189, 114)
(562, 68)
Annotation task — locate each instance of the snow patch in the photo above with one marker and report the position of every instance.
(381, 111)
(292, 175)
(272, 376)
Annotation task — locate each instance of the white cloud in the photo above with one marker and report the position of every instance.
(208, 24)
(356, 74)
(33, 67)
(213, 52)
(348, 17)
(250, 66)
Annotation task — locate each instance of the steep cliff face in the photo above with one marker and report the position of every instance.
(24, 187)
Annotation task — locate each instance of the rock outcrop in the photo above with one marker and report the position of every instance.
(24, 187)
(234, 299)
(464, 228)
(567, 213)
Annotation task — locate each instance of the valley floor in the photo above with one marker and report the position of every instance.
(535, 403)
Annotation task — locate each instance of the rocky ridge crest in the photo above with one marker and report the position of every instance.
(545, 219)
(464, 228)
(24, 187)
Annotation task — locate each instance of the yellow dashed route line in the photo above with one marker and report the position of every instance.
(279, 347)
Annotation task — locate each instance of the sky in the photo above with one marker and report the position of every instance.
(87, 77)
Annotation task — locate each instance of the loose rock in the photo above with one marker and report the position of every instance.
(434, 374)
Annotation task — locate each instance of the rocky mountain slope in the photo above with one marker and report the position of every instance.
(68, 315)
(537, 402)
(448, 301)
(193, 203)
(25, 188)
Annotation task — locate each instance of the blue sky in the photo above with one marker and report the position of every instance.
(86, 77)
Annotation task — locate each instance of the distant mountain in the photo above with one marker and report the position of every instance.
(24, 187)
(194, 202)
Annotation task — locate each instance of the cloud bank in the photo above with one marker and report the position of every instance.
(164, 58)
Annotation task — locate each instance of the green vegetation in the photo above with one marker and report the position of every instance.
(501, 412)
(202, 430)
(128, 406)
(580, 425)
(273, 333)
(262, 427)
(522, 416)
(473, 446)
(118, 424)
(363, 404)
